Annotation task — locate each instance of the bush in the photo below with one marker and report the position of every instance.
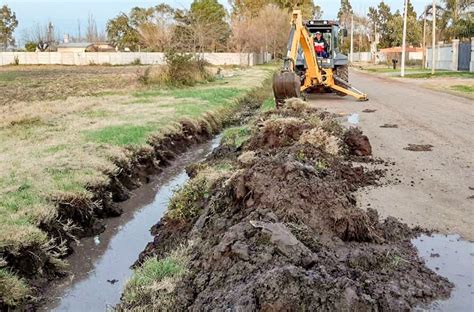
(136, 61)
(30, 46)
(180, 70)
(185, 69)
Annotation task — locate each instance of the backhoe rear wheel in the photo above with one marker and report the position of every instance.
(342, 72)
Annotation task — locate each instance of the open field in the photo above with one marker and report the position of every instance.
(54, 82)
(54, 152)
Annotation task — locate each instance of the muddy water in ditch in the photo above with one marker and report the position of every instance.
(100, 265)
(453, 258)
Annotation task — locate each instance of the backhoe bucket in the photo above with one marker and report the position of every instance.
(286, 84)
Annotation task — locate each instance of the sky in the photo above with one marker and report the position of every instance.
(64, 14)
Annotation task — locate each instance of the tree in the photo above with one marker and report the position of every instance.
(395, 24)
(122, 34)
(458, 19)
(380, 17)
(267, 31)
(208, 26)
(8, 23)
(92, 34)
(253, 7)
(345, 13)
(156, 28)
(318, 12)
(30, 46)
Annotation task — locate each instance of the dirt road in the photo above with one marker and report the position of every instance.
(437, 187)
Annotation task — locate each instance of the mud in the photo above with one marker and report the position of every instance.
(281, 231)
(419, 147)
(357, 143)
(389, 126)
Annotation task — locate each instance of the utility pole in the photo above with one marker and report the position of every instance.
(423, 65)
(433, 45)
(404, 43)
(352, 38)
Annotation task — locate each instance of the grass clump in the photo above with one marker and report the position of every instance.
(463, 88)
(186, 202)
(236, 136)
(268, 105)
(152, 284)
(12, 289)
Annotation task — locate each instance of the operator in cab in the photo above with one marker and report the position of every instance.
(320, 45)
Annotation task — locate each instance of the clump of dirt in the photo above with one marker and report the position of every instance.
(282, 231)
(419, 147)
(389, 126)
(369, 110)
(357, 143)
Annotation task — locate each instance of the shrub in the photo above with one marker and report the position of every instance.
(30, 46)
(185, 69)
(136, 61)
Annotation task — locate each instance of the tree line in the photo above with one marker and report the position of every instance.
(384, 28)
(253, 26)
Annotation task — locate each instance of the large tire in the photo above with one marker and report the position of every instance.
(342, 72)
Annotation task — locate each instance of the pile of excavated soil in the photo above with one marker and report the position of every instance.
(281, 230)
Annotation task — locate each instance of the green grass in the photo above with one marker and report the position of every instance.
(24, 196)
(154, 270)
(463, 88)
(121, 135)
(236, 136)
(149, 283)
(441, 74)
(267, 105)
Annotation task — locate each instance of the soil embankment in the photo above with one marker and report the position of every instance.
(272, 224)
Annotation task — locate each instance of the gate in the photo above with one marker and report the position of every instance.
(464, 59)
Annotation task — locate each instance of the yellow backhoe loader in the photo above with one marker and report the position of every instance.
(305, 72)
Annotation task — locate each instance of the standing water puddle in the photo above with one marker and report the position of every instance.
(100, 266)
(453, 258)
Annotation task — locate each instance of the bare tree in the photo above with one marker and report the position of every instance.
(268, 31)
(92, 34)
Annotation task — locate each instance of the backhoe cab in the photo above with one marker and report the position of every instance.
(304, 71)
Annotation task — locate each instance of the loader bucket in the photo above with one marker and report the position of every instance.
(286, 84)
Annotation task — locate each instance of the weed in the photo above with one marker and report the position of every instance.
(321, 165)
(12, 289)
(152, 284)
(236, 136)
(136, 62)
(300, 155)
(463, 88)
(268, 105)
(144, 78)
